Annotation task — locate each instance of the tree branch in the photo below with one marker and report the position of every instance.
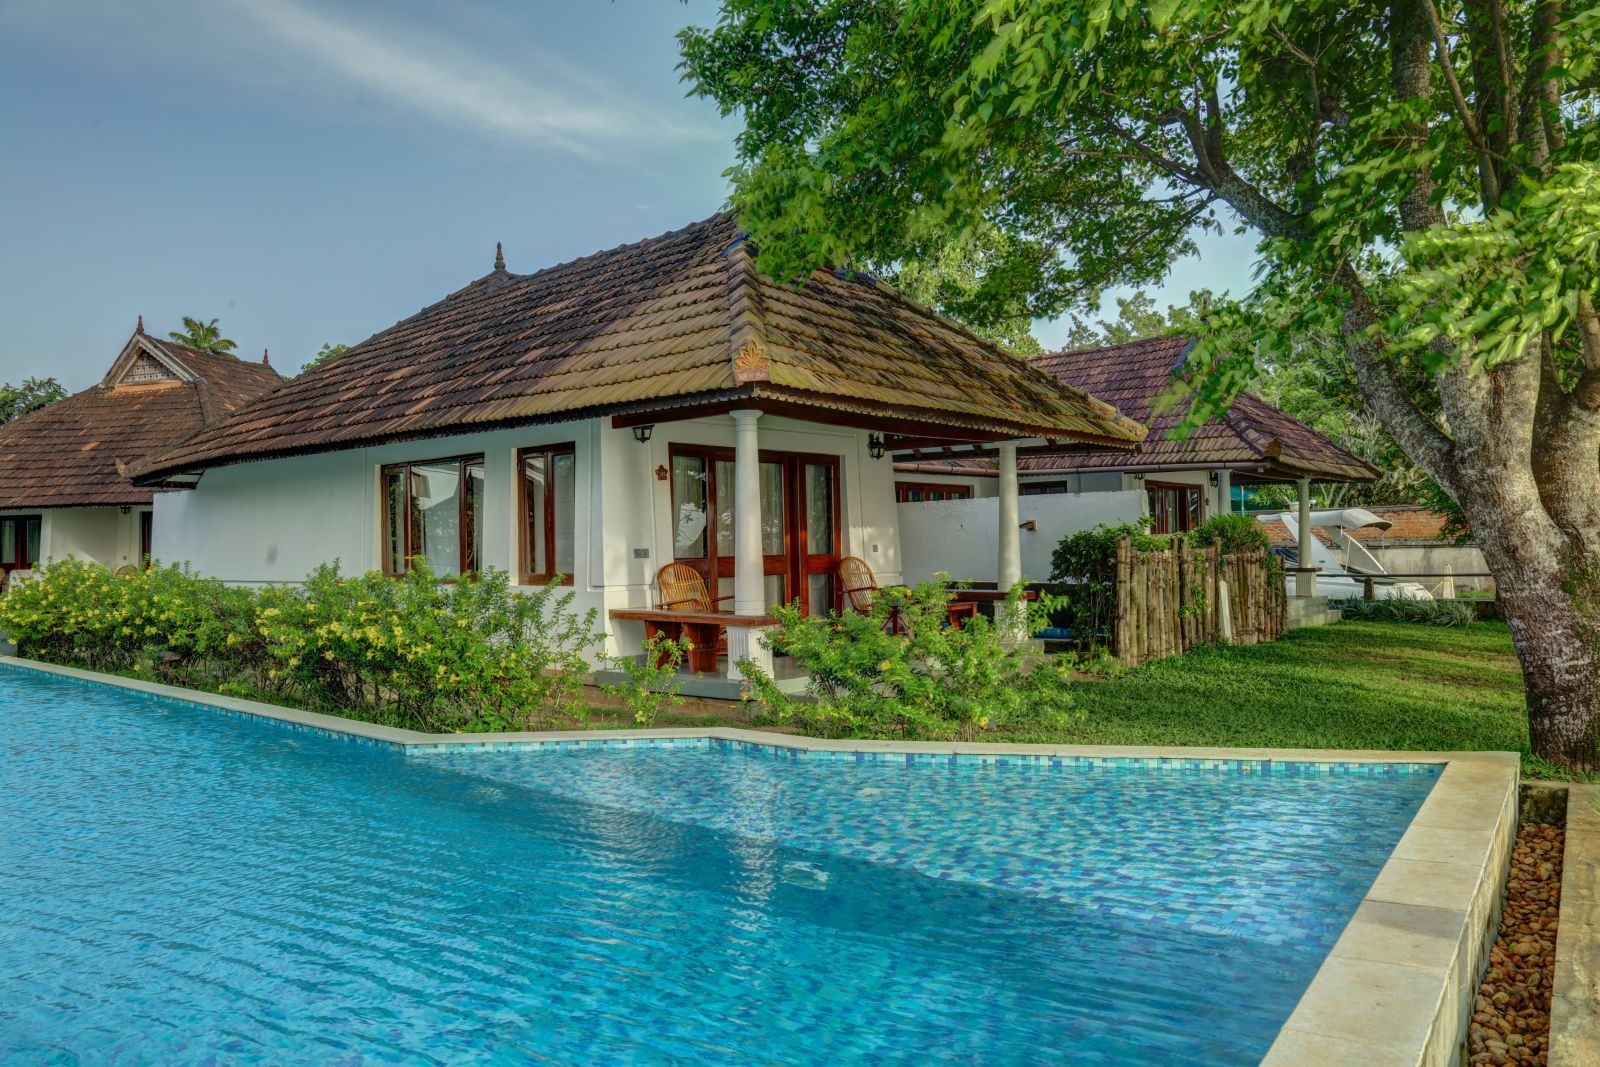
(1486, 156)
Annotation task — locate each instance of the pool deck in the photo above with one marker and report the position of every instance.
(1397, 987)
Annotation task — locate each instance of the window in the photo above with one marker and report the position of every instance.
(1044, 488)
(547, 480)
(19, 541)
(433, 511)
(918, 492)
(1174, 508)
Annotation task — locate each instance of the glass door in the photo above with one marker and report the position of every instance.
(799, 524)
(816, 560)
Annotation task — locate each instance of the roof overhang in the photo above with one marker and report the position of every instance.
(902, 427)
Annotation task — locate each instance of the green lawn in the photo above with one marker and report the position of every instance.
(1351, 685)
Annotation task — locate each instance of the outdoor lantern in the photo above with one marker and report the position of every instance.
(642, 433)
(875, 445)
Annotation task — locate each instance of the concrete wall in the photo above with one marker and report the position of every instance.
(1433, 559)
(960, 537)
(275, 521)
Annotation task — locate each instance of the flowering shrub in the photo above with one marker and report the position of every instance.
(900, 671)
(80, 612)
(414, 651)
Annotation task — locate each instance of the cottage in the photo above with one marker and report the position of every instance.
(1176, 483)
(660, 402)
(62, 489)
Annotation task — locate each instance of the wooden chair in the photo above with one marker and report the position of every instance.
(858, 587)
(687, 609)
(127, 570)
(679, 587)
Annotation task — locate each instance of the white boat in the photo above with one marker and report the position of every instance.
(1347, 580)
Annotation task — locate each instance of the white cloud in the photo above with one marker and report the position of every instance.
(437, 78)
(457, 71)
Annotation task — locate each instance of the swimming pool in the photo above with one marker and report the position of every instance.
(181, 885)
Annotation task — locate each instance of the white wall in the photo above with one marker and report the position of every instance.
(85, 533)
(960, 537)
(276, 520)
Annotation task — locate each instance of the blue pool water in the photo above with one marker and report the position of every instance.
(182, 886)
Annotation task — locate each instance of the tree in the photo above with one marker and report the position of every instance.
(1421, 175)
(1139, 318)
(326, 352)
(957, 280)
(33, 394)
(203, 337)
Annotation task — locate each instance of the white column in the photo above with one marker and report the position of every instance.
(1224, 492)
(1305, 583)
(749, 597)
(1009, 572)
(1012, 627)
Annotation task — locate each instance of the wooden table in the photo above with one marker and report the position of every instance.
(702, 628)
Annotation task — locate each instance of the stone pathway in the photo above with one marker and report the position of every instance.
(1511, 1016)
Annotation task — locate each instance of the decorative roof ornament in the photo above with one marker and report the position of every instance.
(499, 257)
(751, 364)
(139, 328)
(265, 362)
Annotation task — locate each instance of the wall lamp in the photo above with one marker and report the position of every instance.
(875, 446)
(642, 433)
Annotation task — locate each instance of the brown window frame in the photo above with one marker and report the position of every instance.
(951, 491)
(468, 548)
(1058, 487)
(549, 452)
(1188, 517)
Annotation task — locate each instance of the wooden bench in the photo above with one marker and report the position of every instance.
(702, 628)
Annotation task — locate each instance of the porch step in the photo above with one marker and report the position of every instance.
(1311, 611)
(712, 686)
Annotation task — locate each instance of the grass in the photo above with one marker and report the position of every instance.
(1356, 685)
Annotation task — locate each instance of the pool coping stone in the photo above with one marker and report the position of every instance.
(1575, 1004)
(1396, 988)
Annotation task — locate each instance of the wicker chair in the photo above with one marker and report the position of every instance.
(857, 584)
(858, 587)
(127, 570)
(679, 587)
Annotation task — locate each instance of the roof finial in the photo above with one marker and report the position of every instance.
(139, 329)
(499, 257)
(264, 360)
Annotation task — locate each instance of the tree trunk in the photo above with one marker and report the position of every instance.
(1544, 578)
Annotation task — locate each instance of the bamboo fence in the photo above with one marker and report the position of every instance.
(1170, 600)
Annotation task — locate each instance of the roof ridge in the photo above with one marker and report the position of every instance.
(748, 359)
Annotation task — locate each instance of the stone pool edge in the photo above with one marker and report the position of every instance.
(1397, 986)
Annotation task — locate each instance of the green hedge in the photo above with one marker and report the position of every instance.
(414, 651)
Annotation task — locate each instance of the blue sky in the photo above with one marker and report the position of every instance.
(311, 171)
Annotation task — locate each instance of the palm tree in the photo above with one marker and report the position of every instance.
(203, 336)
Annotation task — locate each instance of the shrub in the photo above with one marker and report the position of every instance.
(899, 671)
(1230, 533)
(652, 680)
(1087, 562)
(82, 613)
(414, 651)
(1401, 609)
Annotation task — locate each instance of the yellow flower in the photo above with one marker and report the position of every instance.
(885, 665)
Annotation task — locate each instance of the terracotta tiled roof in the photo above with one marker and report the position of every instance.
(1132, 375)
(67, 453)
(683, 320)
(1253, 434)
(1411, 525)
